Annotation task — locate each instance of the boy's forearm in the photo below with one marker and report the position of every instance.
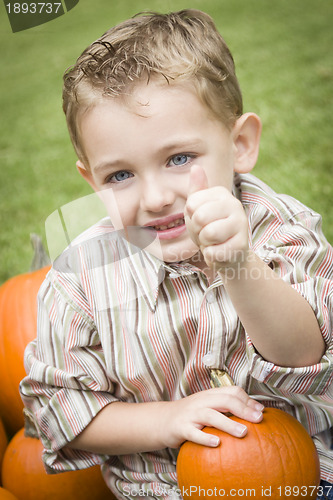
(279, 321)
(127, 428)
(122, 428)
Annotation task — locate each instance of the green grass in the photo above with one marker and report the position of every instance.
(283, 54)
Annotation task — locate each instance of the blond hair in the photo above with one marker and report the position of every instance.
(180, 46)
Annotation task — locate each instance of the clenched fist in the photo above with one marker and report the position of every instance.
(216, 222)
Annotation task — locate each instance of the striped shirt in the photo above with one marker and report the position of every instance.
(117, 324)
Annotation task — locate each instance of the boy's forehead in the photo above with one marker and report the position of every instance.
(174, 109)
(145, 97)
(158, 116)
(157, 96)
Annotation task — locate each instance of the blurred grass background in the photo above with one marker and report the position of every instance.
(283, 54)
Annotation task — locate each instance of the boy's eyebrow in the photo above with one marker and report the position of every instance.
(107, 164)
(182, 146)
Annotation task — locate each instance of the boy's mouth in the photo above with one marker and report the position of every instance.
(168, 227)
(175, 223)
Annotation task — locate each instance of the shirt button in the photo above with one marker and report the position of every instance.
(210, 296)
(208, 359)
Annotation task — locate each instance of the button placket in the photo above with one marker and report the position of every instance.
(214, 355)
(210, 296)
(209, 359)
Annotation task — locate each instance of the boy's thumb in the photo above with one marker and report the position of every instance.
(198, 179)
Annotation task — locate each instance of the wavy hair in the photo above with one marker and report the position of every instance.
(182, 46)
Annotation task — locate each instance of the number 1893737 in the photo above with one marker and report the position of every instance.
(305, 491)
(33, 8)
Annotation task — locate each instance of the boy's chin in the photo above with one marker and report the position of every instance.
(165, 250)
(174, 253)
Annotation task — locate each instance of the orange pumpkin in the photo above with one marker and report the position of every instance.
(276, 459)
(23, 474)
(6, 495)
(3, 444)
(18, 325)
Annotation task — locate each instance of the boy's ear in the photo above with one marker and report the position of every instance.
(246, 133)
(86, 174)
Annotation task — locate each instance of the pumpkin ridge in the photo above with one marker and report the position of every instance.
(293, 440)
(283, 466)
(257, 433)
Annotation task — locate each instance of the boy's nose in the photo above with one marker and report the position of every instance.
(156, 195)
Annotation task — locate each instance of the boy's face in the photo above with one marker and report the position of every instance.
(143, 151)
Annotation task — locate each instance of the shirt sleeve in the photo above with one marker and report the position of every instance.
(299, 253)
(67, 384)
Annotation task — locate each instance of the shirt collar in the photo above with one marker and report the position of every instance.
(148, 271)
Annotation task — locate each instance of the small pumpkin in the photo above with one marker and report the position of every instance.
(18, 326)
(6, 495)
(23, 474)
(276, 458)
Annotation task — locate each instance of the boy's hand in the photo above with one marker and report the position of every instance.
(216, 222)
(185, 418)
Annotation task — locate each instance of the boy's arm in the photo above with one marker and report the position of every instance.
(122, 428)
(58, 397)
(279, 321)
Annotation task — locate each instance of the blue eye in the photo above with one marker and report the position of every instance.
(120, 176)
(179, 160)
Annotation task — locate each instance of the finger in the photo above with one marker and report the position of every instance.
(203, 438)
(233, 251)
(252, 403)
(198, 179)
(218, 195)
(222, 422)
(234, 400)
(219, 394)
(216, 232)
(198, 182)
(239, 409)
(217, 421)
(207, 211)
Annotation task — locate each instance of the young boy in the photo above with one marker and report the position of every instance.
(235, 277)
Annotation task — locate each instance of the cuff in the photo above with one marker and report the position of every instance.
(308, 380)
(68, 413)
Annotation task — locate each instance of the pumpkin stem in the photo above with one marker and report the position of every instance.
(219, 378)
(41, 258)
(30, 429)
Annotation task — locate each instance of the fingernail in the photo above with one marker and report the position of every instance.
(259, 407)
(241, 430)
(257, 415)
(215, 441)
